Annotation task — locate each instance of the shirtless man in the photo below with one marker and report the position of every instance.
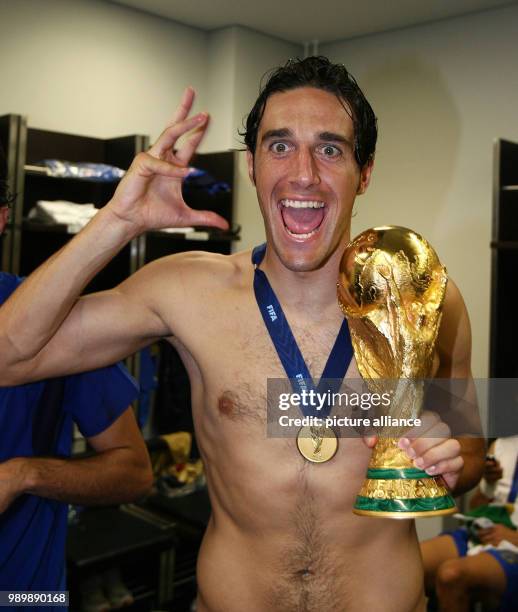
(282, 536)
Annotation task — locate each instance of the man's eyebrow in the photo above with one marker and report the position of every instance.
(333, 137)
(324, 136)
(280, 133)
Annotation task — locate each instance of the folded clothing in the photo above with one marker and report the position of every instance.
(82, 170)
(74, 216)
(200, 179)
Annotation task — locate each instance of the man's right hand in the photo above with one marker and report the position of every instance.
(47, 329)
(150, 194)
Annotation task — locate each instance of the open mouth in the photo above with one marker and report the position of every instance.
(302, 218)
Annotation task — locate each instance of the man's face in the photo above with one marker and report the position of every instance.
(4, 217)
(306, 175)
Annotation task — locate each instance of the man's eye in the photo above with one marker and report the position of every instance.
(279, 147)
(330, 150)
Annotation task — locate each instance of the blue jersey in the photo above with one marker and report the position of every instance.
(33, 529)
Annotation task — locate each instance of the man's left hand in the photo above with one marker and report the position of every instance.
(432, 448)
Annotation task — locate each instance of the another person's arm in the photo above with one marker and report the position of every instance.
(119, 471)
(484, 493)
(46, 329)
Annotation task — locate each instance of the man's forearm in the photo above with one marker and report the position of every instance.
(110, 477)
(31, 316)
(473, 453)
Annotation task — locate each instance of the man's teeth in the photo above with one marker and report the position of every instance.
(301, 235)
(302, 203)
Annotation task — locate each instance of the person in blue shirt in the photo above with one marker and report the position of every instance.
(37, 476)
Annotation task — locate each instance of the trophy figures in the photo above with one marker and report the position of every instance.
(391, 288)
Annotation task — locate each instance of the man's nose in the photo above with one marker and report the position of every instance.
(305, 171)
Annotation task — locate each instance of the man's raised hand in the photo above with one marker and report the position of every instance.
(150, 194)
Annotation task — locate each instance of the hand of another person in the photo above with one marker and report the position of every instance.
(494, 535)
(150, 194)
(492, 470)
(432, 448)
(11, 482)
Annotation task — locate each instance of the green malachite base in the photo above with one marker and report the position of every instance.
(396, 474)
(405, 505)
(405, 508)
(402, 507)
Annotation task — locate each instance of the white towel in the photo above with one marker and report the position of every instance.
(74, 216)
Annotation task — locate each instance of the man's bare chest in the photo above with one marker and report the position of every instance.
(238, 360)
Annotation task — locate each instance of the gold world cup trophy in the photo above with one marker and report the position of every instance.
(391, 288)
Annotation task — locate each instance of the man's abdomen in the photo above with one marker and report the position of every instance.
(317, 571)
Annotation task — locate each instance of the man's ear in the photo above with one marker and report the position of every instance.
(365, 177)
(4, 217)
(250, 162)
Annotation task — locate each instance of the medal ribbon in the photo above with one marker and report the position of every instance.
(287, 348)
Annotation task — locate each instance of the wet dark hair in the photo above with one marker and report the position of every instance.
(319, 72)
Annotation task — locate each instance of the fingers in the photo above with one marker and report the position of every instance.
(184, 107)
(170, 135)
(370, 441)
(204, 218)
(178, 125)
(451, 479)
(147, 165)
(187, 150)
(435, 456)
(432, 448)
(453, 465)
(430, 451)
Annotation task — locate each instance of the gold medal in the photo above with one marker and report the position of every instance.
(317, 444)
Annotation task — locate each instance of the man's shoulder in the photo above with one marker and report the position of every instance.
(186, 289)
(202, 268)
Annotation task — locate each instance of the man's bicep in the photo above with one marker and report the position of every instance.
(104, 327)
(101, 328)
